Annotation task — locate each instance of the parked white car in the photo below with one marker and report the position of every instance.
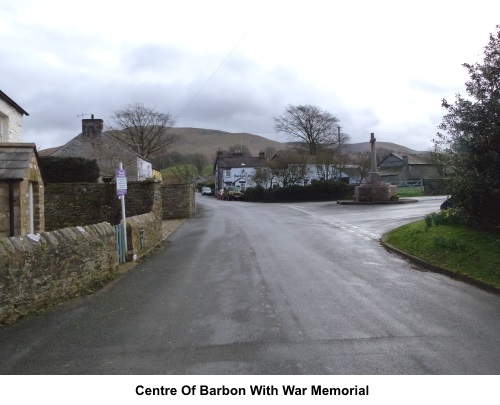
(206, 191)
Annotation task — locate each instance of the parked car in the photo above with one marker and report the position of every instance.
(232, 193)
(206, 191)
(448, 203)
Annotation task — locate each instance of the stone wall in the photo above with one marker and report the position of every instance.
(144, 232)
(80, 204)
(177, 201)
(417, 172)
(41, 270)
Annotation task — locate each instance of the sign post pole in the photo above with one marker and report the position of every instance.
(121, 191)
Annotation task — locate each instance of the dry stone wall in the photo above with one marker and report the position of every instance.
(37, 271)
(177, 201)
(79, 204)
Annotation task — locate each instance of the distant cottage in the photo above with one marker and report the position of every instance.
(237, 170)
(107, 150)
(397, 167)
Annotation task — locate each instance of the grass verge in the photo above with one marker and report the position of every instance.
(468, 252)
(403, 192)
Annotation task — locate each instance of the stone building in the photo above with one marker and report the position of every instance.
(397, 167)
(21, 190)
(108, 151)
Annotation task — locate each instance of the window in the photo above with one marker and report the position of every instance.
(227, 173)
(4, 128)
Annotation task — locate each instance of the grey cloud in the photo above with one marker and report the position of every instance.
(153, 58)
(429, 87)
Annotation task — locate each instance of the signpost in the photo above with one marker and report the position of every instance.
(121, 191)
(121, 181)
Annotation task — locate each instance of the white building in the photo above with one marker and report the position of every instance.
(11, 119)
(237, 170)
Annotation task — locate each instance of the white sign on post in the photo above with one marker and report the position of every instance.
(121, 191)
(121, 182)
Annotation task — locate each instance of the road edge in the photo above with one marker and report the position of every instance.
(437, 269)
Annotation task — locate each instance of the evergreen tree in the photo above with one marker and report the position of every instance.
(472, 140)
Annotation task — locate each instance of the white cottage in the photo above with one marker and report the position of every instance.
(237, 170)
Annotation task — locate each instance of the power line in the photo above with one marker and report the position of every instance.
(212, 75)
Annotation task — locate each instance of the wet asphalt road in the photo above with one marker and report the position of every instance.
(245, 288)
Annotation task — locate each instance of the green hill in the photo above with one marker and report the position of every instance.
(208, 141)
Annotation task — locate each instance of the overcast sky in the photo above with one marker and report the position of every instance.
(379, 66)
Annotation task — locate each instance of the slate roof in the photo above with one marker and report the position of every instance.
(104, 148)
(418, 159)
(14, 160)
(239, 161)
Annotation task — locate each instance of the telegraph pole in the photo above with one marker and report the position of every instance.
(340, 155)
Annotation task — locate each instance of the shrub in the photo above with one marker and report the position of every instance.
(68, 170)
(444, 217)
(318, 191)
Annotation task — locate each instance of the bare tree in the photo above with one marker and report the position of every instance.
(185, 173)
(362, 163)
(288, 168)
(263, 177)
(143, 129)
(308, 124)
(326, 165)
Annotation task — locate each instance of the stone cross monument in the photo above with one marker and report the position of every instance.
(374, 175)
(374, 152)
(376, 190)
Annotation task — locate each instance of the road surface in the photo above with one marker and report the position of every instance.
(248, 288)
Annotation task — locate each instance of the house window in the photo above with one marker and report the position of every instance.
(227, 173)
(4, 128)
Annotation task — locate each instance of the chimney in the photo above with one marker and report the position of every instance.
(262, 155)
(406, 167)
(92, 127)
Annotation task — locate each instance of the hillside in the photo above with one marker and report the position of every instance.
(208, 141)
(392, 147)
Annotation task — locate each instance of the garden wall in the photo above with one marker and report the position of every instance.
(144, 232)
(177, 201)
(38, 271)
(79, 204)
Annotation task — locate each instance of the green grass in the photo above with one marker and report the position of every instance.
(403, 192)
(459, 249)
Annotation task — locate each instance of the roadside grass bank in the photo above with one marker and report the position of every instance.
(470, 254)
(403, 192)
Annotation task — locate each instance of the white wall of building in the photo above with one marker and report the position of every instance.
(11, 123)
(144, 169)
(239, 176)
